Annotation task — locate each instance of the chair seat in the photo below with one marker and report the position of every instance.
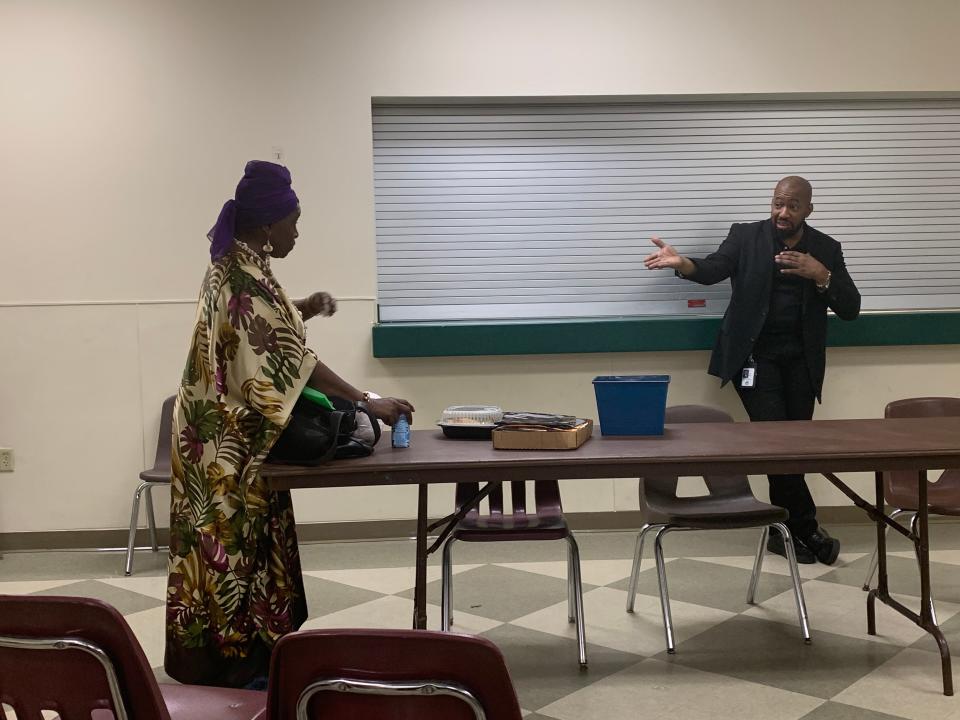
(156, 474)
(944, 493)
(490, 528)
(714, 512)
(193, 702)
(943, 510)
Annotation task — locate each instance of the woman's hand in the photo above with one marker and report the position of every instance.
(390, 409)
(320, 303)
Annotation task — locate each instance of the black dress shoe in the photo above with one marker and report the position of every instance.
(775, 545)
(825, 548)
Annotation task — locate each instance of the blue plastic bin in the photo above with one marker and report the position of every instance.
(631, 404)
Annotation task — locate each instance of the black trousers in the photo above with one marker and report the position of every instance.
(783, 391)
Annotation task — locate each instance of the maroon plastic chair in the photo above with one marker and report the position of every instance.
(728, 504)
(388, 675)
(77, 656)
(900, 486)
(159, 474)
(545, 523)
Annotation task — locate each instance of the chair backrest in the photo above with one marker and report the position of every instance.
(546, 495)
(666, 485)
(368, 663)
(901, 485)
(164, 435)
(72, 677)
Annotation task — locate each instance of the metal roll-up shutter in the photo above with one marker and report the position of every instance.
(501, 211)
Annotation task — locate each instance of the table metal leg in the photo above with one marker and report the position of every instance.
(420, 588)
(920, 539)
(423, 529)
(881, 589)
(927, 621)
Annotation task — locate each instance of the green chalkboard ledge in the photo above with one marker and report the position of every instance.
(636, 334)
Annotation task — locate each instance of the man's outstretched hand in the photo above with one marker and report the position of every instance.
(665, 258)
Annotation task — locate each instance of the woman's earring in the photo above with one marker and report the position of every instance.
(267, 247)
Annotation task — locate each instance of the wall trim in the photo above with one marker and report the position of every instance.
(159, 301)
(638, 334)
(364, 530)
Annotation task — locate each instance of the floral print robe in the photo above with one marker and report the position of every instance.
(234, 585)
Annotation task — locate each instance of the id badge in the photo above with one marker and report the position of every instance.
(748, 375)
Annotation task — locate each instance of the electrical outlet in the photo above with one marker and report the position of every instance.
(6, 459)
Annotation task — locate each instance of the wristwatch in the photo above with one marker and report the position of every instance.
(826, 285)
(365, 396)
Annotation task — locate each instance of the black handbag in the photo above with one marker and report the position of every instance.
(316, 435)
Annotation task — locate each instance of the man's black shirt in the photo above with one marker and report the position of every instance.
(786, 294)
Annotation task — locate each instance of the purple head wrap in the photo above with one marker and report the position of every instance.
(263, 197)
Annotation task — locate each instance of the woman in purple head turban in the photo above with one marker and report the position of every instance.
(235, 584)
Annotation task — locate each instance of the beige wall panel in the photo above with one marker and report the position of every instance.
(70, 400)
(131, 123)
(164, 334)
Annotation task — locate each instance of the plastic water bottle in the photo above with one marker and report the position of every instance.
(400, 434)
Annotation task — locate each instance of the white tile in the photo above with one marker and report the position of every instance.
(383, 580)
(949, 557)
(842, 610)
(609, 624)
(778, 565)
(396, 612)
(150, 628)
(27, 587)
(592, 572)
(908, 685)
(650, 689)
(155, 587)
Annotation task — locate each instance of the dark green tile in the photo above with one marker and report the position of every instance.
(500, 593)
(325, 596)
(903, 577)
(772, 654)
(839, 711)
(125, 601)
(951, 631)
(545, 667)
(705, 583)
(56, 565)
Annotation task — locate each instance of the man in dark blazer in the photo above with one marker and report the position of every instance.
(772, 343)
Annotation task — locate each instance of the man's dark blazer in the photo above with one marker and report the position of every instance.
(746, 257)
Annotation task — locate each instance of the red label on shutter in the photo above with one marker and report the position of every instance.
(696, 303)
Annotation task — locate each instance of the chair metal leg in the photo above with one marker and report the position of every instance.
(574, 551)
(664, 592)
(571, 601)
(446, 586)
(151, 520)
(872, 568)
(795, 575)
(635, 572)
(757, 566)
(132, 536)
(916, 532)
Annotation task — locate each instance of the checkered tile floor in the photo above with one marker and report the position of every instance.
(733, 660)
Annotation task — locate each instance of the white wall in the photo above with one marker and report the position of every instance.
(124, 126)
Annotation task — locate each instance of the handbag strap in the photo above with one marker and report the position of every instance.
(336, 418)
(362, 407)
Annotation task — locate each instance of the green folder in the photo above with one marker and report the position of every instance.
(317, 397)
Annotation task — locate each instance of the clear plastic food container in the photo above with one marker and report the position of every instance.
(470, 421)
